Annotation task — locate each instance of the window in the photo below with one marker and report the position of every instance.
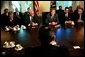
(19, 5)
(16, 4)
(28, 4)
(63, 4)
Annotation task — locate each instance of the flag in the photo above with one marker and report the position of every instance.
(36, 6)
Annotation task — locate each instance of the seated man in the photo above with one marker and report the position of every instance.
(60, 11)
(4, 17)
(52, 18)
(19, 15)
(26, 15)
(38, 17)
(68, 17)
(26, 18)
(32, 19)
(12, 21)
(79, 16)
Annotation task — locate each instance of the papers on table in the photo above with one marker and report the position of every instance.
(76, 47)
(23, 27)
(10, 44)
(53, 43)
(18, 47)
(15, 28)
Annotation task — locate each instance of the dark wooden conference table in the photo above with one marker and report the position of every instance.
(68, 37)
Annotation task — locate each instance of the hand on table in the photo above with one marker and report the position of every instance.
(16, 28)
(53, 23)
(7, 28)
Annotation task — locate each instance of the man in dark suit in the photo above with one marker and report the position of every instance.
(38, 17)
(60, 11)
(79, 16)
(12, 20)
(19, 15)
(52, 17)
(31, 18)
(26, 17)
(4, 17)
(60, 15)
(66, 17)
(76, 11)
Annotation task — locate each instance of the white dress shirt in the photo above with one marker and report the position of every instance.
(66, 15)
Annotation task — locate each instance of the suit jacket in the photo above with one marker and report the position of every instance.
(35, 18)
(14, 22)
(4, 20)
(70, 17)
(20, 15)
(59, 11)
(26, 18)
(49, 19)
(76, 16)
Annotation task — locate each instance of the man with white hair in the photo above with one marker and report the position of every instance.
(31, 18)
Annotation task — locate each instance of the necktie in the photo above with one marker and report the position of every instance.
(31, 19)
